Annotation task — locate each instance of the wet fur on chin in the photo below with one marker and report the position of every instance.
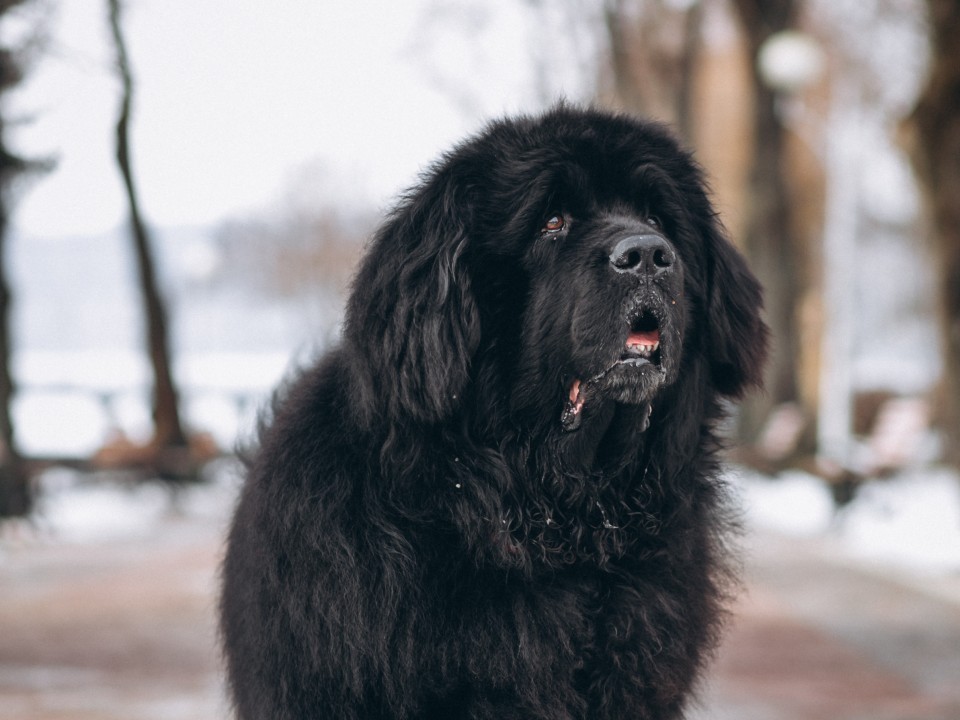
(419, 535)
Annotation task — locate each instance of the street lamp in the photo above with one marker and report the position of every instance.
(790, 61)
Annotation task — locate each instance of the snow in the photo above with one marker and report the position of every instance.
(65, 423)
(795, 503)
(912, 522)
(74, 400)
(907, 526)
(80, 508)
(76, 512)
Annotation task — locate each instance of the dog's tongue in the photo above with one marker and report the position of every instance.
(643, 337)
(570, 418)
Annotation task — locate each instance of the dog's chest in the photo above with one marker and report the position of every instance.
(534, 628)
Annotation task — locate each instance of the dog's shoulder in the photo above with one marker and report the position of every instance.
(312, 429)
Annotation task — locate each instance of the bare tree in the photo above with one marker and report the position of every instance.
(15, 496)
(14, 485)
(936, 156)
(169, 440)
(769, 241)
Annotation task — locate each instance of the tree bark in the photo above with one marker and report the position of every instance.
(653, 53)
(15, 495)
(936, 159)
(769, 240)
(168, 431)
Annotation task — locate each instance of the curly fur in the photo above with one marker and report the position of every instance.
(419, 535)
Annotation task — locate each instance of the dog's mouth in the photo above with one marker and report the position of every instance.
(641, 354)
(643, 340)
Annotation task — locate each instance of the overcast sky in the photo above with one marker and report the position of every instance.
(236, 97)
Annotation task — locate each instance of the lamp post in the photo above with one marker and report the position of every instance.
(841, 220)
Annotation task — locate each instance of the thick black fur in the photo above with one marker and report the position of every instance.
(435, 524)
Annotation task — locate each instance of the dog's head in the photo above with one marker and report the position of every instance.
(551, 267)
(607, 304)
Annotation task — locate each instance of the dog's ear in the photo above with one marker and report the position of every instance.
(412, 312)
(736, 336)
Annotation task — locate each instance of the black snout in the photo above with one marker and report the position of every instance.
(643, 254)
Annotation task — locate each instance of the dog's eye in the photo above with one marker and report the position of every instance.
(654, 222)
(554, 225)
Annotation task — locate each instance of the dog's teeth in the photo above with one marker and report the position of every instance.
(644, 348)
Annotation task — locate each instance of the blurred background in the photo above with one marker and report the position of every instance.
(185, 189)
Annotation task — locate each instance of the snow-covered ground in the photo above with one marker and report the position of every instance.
(911, 520)
(71, 402)
(906, 527)
(77, 508)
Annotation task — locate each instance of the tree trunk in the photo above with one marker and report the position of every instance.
(168, 431)
(936, 157)
(689, 56)
(626, 90)
(15, 495)
(653, 49)
(769, 242)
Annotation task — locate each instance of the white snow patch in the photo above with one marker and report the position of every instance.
(794, 504)
(256, 372)
(70, 403)
(911, 521)
(64, 423)
(74, 507)
(907, 525)
(104, 370)
(81, 513)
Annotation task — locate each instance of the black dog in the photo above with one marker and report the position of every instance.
(498, 497)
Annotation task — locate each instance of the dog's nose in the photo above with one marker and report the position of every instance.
(649, 254)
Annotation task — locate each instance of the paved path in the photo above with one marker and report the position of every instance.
(118, 631)
(126, 631)
(819, 639)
